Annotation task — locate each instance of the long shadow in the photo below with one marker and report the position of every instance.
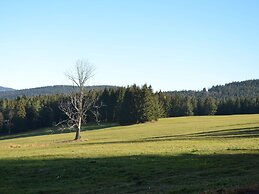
(227, 133)
(241, 132)
(55, 130)
(252, 132)
(187, 173)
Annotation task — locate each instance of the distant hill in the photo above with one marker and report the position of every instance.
(47, 90)
(249, 88)
(4, 89)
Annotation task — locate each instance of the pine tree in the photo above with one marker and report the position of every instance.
(32, 116)
(210, 106)
(119, 93)
(129, 112)
(187, 107)
(19, 119)
(176, 105)
(1, 122)
(164, 104)
(46, 116)
(149, 108)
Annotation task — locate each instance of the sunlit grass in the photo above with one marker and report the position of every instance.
(173, 142)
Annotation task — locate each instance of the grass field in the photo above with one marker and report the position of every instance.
(175, 155)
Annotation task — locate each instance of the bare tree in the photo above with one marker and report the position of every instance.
(96, 110)
(77, 104)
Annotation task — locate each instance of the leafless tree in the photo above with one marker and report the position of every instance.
(77, 104)
(96, 110)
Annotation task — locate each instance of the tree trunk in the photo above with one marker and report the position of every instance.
(78, 129)
(77, 107)
(77, 137)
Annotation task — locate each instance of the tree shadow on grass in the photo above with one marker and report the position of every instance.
(56, 130)
(186, 173)
(252, 132)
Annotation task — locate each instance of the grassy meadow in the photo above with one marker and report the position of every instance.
(174, 155)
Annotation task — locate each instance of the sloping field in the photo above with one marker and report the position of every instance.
(175, 155)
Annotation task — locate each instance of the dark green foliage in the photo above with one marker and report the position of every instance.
(1, 120)
(19, 118)
(131, 105)
(43, 91)
(119, 94)
(188, 107)
(139, 105)
(108, 98)
(46, 116)
(28, 113)
(182, 105)
(249, 88)
(176, 106)
(210, 107)
(164, 101)
(32, 116)
(233, 98)
(129, 113)
(147, 105)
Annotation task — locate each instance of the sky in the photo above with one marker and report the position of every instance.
(169, 44)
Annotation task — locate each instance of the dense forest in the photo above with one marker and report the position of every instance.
(131, 105)
(4, 89)
(249, 88)
(47, 90)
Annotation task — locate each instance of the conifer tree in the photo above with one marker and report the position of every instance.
(148, 105)
(20, 115)
(129, 113)
(1, 121)
(187, 107)
(210, 106)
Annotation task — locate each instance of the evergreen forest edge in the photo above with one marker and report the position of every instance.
(131, 105)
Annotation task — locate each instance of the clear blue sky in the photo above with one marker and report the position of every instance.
(172, 45)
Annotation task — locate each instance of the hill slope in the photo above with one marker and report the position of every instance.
(178, 155)
(249, 88)
(4, 89)
(48, 90)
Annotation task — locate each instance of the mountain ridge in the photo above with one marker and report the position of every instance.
(247, 88)
(47, 90)
(5, 89)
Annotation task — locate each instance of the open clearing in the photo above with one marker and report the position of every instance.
(173, 155)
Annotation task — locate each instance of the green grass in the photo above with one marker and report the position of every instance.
(175, 155)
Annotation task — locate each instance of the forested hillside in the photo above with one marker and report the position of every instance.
(4, 89)
(130, 105)
(249, 88)
(48, 90)
(124, 105)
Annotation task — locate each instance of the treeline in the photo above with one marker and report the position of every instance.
(184, 105)
(122, 105)
(27, 113)
(43, 91)
(249, 88)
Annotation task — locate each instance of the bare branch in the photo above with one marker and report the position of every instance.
(83, 72)
(95, 109)
(76, 106)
